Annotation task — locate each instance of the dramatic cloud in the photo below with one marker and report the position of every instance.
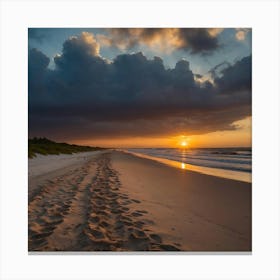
(197, 40)
(37, 68)
(236, 78)
(88, 96)
(84, 45)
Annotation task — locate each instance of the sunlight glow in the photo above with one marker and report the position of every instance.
(183, 165)
(184, 144)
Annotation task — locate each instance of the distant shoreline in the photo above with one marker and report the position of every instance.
(221, 173)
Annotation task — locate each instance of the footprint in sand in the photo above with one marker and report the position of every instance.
(156, 237)
(136, 214)
(108, 223)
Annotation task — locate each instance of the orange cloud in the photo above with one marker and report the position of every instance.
(87, 42)
(214, 32)
(241, 33)
(163, 39)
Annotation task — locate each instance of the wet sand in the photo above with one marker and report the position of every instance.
(112, 201)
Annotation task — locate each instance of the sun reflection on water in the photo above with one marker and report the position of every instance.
(183, 165)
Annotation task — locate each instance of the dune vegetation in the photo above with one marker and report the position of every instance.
(45, 146)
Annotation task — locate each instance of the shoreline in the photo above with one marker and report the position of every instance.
(218, 172)
(114, 201)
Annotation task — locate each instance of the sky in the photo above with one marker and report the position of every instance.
(141, 87)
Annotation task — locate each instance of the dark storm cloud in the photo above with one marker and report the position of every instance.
(197, 40)
(88, 96)
(237, 77)
(37, 69)
(37, 61)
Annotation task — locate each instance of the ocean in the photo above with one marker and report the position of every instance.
(221, 161)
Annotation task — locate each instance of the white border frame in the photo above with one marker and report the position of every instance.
(17, 16)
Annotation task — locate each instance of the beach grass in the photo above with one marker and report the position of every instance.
(45, 146)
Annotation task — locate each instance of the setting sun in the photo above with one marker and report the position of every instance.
(184, 143)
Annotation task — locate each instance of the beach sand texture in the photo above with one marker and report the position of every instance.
(113, 201)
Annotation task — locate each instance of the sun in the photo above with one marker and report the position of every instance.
(184, 143)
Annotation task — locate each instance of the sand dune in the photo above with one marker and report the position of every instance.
(111, 201)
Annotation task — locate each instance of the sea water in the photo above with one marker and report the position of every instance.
(233, 163)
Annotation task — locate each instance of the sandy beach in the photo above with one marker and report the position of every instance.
(114, 201)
